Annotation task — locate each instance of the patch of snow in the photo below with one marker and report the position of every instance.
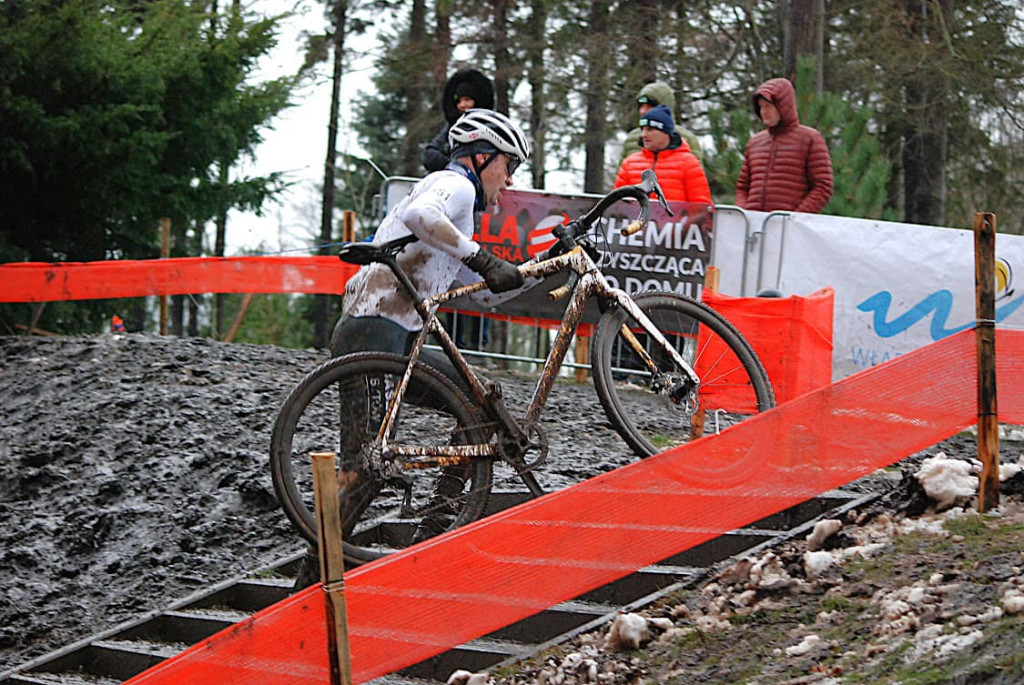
(1009, 470)
(1013, 601)
(806, 645)
(946, 480)
(823, 530)
(628, 631)
(817, 563)
(464, 677)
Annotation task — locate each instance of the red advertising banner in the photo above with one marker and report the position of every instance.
(672, 254)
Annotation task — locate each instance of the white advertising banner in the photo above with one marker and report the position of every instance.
(897, 286)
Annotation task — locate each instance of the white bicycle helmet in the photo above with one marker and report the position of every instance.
(484, 130)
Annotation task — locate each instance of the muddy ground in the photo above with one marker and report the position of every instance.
(133, 472)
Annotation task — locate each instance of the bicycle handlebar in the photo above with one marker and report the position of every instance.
(641, 192)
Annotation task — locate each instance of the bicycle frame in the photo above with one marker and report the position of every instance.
(586, 280)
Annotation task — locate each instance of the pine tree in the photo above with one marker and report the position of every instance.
(860, 171)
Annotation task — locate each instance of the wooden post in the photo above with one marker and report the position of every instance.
(348, 226)
(332, 565)
(985, 336)
(711, 280)
(165, 252)
(233, 331)
(582, 357)
(37, 313)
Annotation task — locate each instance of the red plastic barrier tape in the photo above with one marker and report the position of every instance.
(42, 282)
(465, 584)
(792, 337)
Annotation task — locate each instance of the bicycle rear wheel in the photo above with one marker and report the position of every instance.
(339, 407)
(733, 384)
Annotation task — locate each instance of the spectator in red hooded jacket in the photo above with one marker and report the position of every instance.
(786, 167)
(679, 171)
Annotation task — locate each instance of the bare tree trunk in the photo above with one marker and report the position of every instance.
(502, 57)
(219, 245)
(643, 31)
(177, 315)
(537, 29)
(596, 98)
(803, 37)
(321, 311)
(193, 302)
(419, 48)
(223, 178)
(925, 141)
(442, 43)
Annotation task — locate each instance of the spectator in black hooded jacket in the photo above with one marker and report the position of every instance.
(465, 89)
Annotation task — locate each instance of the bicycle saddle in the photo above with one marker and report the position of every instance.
(368, 253)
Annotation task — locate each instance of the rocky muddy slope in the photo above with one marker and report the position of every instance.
(133, 471)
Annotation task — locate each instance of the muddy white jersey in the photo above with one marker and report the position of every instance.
(438, 211)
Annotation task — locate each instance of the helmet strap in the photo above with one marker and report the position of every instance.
(490, 158)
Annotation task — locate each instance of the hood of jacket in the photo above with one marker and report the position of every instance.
(779, 92)
(661, 93)
(479, 85)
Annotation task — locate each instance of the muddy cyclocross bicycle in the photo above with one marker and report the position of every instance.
(665, 367)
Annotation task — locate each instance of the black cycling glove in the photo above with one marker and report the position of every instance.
(500, 276)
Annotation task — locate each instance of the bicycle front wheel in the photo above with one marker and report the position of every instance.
(339, 407)
(639, 402)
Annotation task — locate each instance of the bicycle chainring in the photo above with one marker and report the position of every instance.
(516, 454)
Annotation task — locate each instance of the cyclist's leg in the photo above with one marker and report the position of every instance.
(381, 334)
(370, 334)
(362, 334)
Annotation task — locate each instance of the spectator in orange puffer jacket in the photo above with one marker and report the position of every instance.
(679, 171)
(786, 167)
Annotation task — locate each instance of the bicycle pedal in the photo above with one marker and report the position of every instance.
(493, 389)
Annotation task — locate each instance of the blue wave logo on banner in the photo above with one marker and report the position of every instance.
(938, 305)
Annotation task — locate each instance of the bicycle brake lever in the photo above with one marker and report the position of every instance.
(661, 198)
(651, 185)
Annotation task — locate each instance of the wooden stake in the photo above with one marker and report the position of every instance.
(233, 331)
(582, 357)
(37, 313)
(348, 226)
(711, 281)
(165, 252)
(332, 565)
(985, 336)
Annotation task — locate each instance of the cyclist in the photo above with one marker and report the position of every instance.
(377, 313)
(486, 149)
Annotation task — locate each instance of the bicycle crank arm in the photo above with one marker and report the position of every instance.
(496, 404)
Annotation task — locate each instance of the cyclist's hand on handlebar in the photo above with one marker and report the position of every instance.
(557, 249)
(500, 276)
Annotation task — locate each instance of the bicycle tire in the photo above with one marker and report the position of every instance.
(338, 407)
(649, 422)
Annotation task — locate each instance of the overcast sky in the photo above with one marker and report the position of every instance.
(298, 140)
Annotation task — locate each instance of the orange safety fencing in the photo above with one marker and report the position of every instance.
(792, 336)
(467, 583)
(43, 282)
